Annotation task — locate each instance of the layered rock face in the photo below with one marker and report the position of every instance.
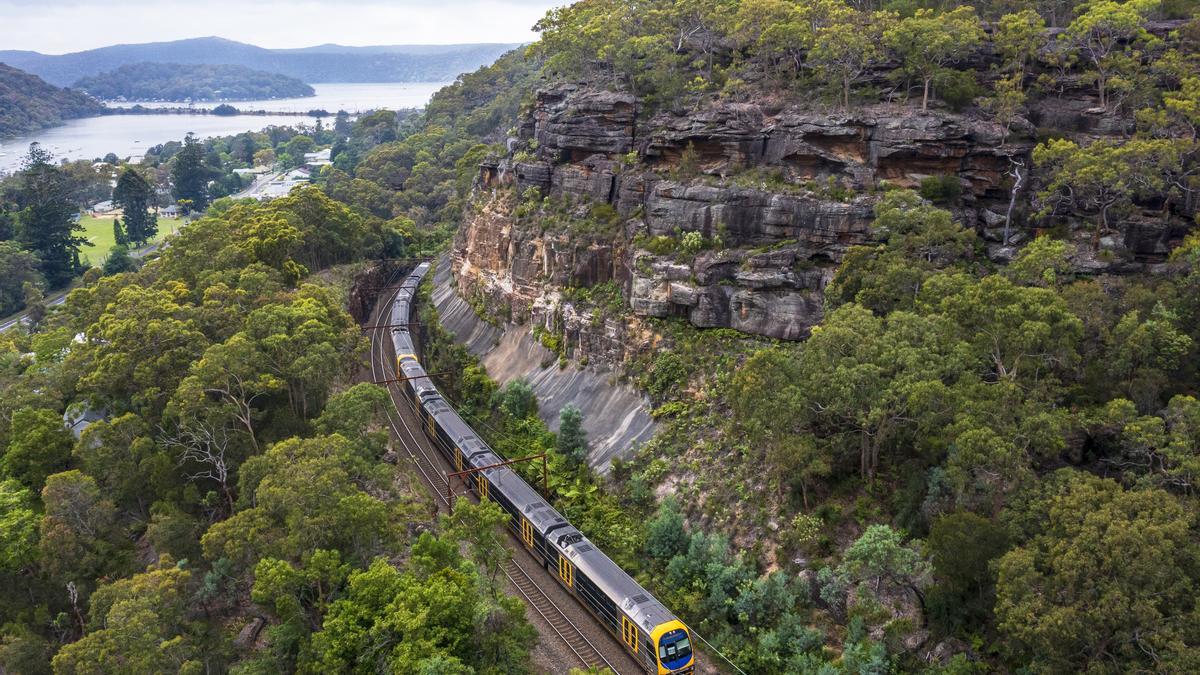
(777, 196)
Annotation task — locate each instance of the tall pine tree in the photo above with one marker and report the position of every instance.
(190, 175)
(46, 223)
(133, 194)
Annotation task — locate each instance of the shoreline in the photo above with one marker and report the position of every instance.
(140, 110)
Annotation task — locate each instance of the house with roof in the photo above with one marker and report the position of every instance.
(319, 158)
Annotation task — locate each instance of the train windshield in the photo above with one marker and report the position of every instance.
(675, 648)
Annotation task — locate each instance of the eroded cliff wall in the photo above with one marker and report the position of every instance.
(616, 416)
(735, 215)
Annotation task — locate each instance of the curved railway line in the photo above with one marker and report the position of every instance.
(428, 466)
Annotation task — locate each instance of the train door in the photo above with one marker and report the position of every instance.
(527, 532)
(629, 633)
(566, 571)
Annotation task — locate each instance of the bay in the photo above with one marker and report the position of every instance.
(132, 135)
(331, 97)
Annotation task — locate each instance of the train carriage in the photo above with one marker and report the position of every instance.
(643, 625)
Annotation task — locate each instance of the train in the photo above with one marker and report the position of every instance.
(655, 637)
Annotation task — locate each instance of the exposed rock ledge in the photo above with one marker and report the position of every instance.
(615, 416)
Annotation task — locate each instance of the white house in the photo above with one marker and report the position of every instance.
(319, 158)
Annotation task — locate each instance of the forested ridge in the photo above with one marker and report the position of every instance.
(197, 82)
(974, 448)
(28, 104)
(980, 220)
(324, 63)
(230, 460)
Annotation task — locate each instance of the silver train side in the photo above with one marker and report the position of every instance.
(646, 628)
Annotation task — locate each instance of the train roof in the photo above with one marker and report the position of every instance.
(435, 404)
(635, 601)
(406, 292)
(402, 341)
(527, 501)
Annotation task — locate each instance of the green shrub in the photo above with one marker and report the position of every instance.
(956, 88)
(667, 373)
(941, 189)
(689, 164)
(549, 340)
(691, 243)
(658, 245)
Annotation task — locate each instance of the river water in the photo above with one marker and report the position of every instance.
(132, 135)
(332, 97)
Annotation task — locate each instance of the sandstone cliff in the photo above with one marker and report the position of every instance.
(734, 215)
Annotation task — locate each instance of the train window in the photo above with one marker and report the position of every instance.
(527, 532)
(483, 487)
(678, 649)
(629, 633)
(566, 571)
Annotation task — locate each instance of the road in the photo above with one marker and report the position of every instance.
(260, 183)
(61, 297)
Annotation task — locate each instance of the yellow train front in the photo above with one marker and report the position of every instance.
(651, 634)
(674, 648)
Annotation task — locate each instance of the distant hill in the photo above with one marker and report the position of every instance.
(324, 63)
(197, 82)
(28, 103)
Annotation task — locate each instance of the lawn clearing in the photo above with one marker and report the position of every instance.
(99, 231)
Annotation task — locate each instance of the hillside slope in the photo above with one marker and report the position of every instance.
(28, 103)
(905, 323)
(198, 82)
(326, 63)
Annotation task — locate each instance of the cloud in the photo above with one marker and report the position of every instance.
(58, 26)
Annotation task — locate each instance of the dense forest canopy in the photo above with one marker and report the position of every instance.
(982, 458)
(177, 82)
(233, 438)
(666, 51)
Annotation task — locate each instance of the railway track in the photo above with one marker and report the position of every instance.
(428, 465)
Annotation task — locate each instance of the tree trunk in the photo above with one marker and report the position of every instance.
(1012, 201)
(250, 430)
(864, 453)
(921, 601)
(846, 93)
(925, 95)
(1101, 226)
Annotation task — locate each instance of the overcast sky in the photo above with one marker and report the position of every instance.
(59, 26)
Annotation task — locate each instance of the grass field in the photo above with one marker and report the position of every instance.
(99, 231)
